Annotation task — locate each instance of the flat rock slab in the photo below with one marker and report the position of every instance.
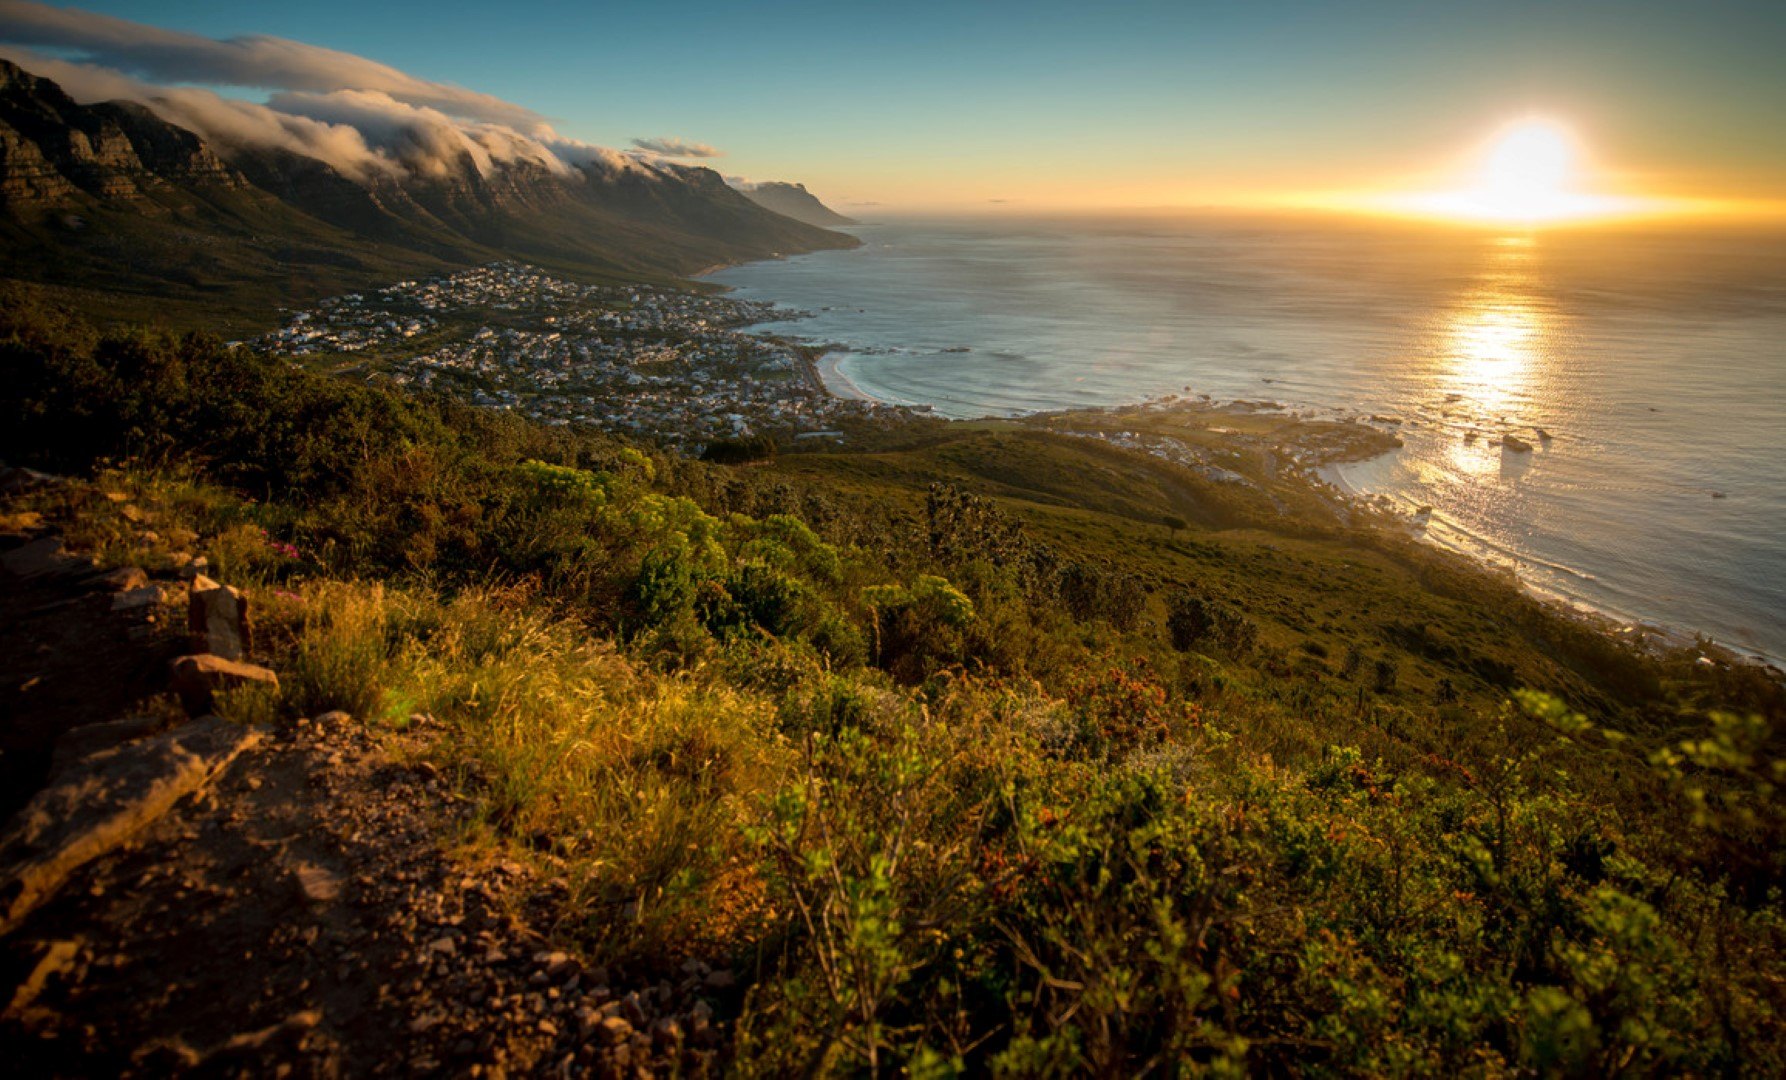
(79, 743)
(43, 557)
(104, 801)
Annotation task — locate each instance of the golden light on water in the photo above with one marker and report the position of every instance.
(1492, 350)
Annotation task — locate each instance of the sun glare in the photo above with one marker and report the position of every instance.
(1532, 172)
(1528, 168)
(1528, 173)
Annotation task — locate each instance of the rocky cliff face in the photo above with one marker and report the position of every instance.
(51, 147)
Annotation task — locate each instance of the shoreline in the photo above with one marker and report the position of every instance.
(828, 368)
(1652, 636)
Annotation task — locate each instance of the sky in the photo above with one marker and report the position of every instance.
(1043, 105)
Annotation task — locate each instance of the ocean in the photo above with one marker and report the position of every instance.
(1645, 367)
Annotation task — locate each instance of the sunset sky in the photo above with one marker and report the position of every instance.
(1071, 105)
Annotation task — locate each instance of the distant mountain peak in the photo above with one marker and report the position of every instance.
(792, 200)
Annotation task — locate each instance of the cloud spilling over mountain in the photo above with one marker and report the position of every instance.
(366, 119)
(670, 146)
(155, 54)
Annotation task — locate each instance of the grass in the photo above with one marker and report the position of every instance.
(906, 736)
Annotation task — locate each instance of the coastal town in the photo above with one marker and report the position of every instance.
(674, 367)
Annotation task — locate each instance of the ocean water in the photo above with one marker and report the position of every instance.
(1654, 360)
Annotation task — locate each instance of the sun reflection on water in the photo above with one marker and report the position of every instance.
(1492, 354)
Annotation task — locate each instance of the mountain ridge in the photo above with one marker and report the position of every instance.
(112, 189)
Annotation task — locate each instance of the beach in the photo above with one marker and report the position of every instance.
(1643, 372)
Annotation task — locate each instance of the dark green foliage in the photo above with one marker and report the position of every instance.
(1195, 621)
(740, 451)
(1040, 832)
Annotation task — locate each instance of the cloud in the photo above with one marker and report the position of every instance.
(255, 60)
(219, 120)
(670, 146)
(367, 119)
(425, 141)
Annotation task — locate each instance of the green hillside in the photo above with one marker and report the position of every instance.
(985, 747)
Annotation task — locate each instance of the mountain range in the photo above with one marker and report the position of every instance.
(109, 200)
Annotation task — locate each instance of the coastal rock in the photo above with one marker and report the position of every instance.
(217, 619)
(1516, 444)
(196, 679)
(102, 803)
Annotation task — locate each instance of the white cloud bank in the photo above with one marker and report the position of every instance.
(367, 119)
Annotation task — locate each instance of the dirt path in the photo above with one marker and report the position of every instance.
(303, 914)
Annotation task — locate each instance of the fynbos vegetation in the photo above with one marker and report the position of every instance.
(973, 780)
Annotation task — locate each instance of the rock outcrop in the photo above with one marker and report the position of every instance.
(52, 147)
(103, 802)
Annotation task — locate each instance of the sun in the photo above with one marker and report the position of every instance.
(1528, 169)
(1532, 171)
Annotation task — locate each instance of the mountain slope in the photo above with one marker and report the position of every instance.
(793, 200)
(110, 198)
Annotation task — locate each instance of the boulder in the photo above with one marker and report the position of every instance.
(196, 679)
(217, 618)
(103, 802)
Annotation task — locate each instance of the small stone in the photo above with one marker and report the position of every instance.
(667, 1033)
(123, 579)
(443, 946)
(720, 979)
(613, 1031)
(318, 885)
(334, 718)
(148, 596)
